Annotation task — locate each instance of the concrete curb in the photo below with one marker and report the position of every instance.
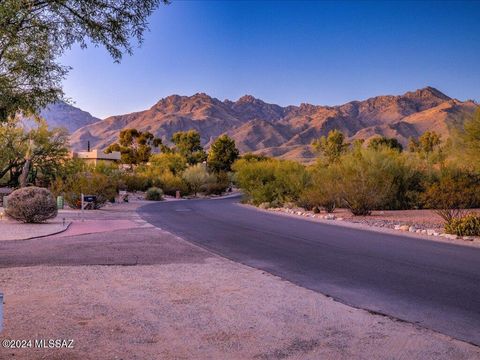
(44, 235)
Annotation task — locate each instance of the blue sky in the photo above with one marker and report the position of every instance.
(285, 52)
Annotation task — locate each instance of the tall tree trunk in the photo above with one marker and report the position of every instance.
(27, 165)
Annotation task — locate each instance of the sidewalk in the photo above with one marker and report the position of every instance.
(70, 222)
(14, 230)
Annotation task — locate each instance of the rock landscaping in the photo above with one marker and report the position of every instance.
(409, 221)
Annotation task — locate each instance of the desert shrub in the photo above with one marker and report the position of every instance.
(366, 179)
(135, 182)
(88, 183)
(455, 191)
(465, 226)
(171, 183)
(322, 191)
(196, 176)
(154, 194)
(270, 180)
(31, 205)
(216, 184)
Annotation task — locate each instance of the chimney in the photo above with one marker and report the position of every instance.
(88, 146)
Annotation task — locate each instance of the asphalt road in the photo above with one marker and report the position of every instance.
(433, 284)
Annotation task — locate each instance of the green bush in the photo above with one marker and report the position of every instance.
(267, 181)
(196, 176)
(154, 194)
(31, 205)
(135, 182)
(466, 226)
(322, 191)
(216, 184)
(171, 183)
(455, 191)
(175, 163)
(367, 179)
(88, 183)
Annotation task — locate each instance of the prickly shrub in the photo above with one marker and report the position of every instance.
(466, 226)
(154, 194)
(31, 205)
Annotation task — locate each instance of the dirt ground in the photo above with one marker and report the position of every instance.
(177, 301)
(421, 218)
(203, 307)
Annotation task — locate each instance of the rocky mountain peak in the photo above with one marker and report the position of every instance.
(428, 93)
(248, 99)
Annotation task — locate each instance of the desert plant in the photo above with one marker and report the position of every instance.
(465, 226)
(332, 146)
(173, 162)
(455, 191)
(196, 176)
(88, 183)
(31, 205)
(270, 180)
(171, 183)
(365, 179)
(154, 194)
(135, 182)
(222, 154)
(322, 191)
(216, 184)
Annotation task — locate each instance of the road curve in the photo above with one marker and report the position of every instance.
(433, 284)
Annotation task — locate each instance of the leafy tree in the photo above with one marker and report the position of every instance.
(135, 146)
(196, 176)
(332, 146)
(188, 144)
(34, 34)
(426, 143)
(175, 163)
(222, 154)
(470, 141)
(42, 149)
(390, 143)
(472, 131)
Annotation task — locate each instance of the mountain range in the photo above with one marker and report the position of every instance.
(273, 130)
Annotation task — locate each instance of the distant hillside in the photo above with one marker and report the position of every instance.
(64, 115)
(284, 132)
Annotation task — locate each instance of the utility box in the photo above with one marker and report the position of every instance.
(60, 202)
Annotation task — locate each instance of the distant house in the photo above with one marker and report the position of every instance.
(95, 157)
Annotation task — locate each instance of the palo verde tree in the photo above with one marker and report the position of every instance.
(134, 146)
(332, 146)
(222, 154)
(426, 143)
(35, 33)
